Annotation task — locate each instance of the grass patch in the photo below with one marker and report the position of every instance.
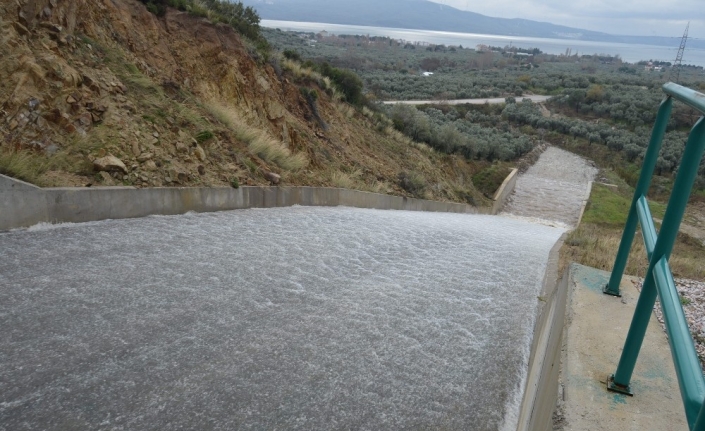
(490, 178)
(344, 180)
(595, 242)
(258, 141)
(609, 206)
(596, 246)
(23, 165)
(204, 136)
(414, 183)
(30, 166)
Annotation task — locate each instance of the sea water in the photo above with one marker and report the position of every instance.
(629, 52)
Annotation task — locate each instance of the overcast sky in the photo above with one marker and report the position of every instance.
(630, 17)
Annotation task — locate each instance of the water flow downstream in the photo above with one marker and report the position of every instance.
(290, 318)
(553, 189)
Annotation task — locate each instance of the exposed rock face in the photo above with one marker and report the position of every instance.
(273, 178)
(199, 153)
(89, 78)
(109, 164)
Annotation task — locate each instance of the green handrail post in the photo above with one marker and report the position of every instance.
(664, 245)
(700, 421)
(659, 278)
(642, 187)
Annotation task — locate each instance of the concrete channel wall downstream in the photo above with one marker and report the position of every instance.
(23, 205)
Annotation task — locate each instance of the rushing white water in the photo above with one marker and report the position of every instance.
(553, 189)
(290, 318)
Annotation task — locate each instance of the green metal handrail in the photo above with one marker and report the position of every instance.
(659, 279)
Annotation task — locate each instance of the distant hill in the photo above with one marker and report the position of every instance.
(413, 14)
(426, 15)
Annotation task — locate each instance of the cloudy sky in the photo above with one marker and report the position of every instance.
(631, 17)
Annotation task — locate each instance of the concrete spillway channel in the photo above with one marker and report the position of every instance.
(285, 318)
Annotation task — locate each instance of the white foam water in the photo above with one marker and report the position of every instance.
(289, 318)
(553, 189)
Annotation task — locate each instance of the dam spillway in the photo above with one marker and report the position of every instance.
(553, 189)
(288, 318)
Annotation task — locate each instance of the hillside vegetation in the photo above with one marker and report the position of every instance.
(602, 108)
(141, 93)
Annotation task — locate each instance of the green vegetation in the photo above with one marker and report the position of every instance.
(602, 108)
(243, 19)
(608, 207)
(489, 179)
(203, 136)
(594, 243)
(413, 182)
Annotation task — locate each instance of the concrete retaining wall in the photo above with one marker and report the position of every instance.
(504, 191)
(23, 204)
(541, 389)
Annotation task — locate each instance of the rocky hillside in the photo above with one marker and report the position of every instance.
(103, 92)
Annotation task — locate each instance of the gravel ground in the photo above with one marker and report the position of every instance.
(693, 300)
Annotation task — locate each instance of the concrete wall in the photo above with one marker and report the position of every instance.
(23, 204)
(541, 391)
(10, 184)
(504, 191)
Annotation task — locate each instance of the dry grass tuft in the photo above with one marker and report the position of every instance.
(304, 73)
(23, 165)
(342, 180)
(345, 109)
(258, 141)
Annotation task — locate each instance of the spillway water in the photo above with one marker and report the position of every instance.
(553, 189)
(291, 318)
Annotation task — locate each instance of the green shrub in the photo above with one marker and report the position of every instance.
(346, 81)
(243, 19)
(204, 136)
(292, 54)
(413, 183)
(489, 179)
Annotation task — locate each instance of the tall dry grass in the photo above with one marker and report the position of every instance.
(259, 141)
(596, 246)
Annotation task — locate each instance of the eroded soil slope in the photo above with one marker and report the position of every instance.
(103, 92)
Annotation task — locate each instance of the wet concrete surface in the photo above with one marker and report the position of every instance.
(295, 318)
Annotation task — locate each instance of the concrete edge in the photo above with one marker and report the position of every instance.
(504, 191)
(9, 183)
(541, 389)
(542, 382)
(586, 199)
(26, 206)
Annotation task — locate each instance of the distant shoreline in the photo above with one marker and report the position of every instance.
(629, 52)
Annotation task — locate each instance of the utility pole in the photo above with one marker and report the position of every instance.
(674, 75)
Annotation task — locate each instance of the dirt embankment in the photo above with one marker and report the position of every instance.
(103, 92)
